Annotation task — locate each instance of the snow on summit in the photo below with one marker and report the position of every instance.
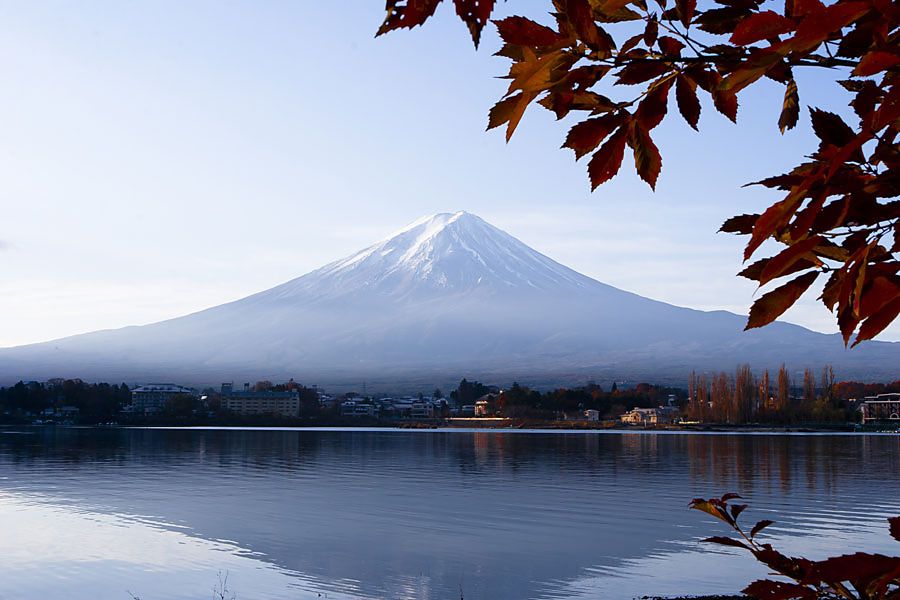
(446, 252)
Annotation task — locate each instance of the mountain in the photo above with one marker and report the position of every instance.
(447, 296)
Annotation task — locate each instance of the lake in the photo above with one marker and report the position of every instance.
(96, 514)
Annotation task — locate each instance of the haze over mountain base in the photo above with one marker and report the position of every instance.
(448, 296)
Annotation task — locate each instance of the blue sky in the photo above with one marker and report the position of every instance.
(157, 158)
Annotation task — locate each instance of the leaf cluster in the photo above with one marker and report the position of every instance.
(857, 576)
(839, 214)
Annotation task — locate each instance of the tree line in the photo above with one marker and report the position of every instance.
(745, 397)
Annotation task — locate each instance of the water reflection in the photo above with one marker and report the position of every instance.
(375, 514)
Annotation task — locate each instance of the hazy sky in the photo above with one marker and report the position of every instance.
(157, 158)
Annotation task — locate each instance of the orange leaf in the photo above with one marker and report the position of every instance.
(607, 161)
(510, 110)
(790, 108)
(761, 26)
(772, 305)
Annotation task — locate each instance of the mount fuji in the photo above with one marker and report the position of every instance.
(447, 296)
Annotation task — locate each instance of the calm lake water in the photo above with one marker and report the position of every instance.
(98, 514)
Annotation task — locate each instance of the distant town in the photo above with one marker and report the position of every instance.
(739, 399)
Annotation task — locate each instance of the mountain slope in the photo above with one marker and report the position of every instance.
(447, 296)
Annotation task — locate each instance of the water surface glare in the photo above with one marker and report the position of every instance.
(96, 514)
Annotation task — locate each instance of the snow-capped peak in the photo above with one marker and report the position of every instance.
(446, 253)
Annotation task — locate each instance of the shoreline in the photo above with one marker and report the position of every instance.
(470, 427)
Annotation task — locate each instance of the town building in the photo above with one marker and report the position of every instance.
(650, 416)
(153, 397)
(883, 407)
(487, 405)
(357, 408)
(249, 402)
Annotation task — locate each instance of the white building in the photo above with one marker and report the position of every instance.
(248, 402)
(883, 407)
(650, 416)
(153, 397)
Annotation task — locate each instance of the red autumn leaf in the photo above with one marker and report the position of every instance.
(647, 160)
(757, 65)
(830, 128)
(740, 224)
(582, 19)
(726, 541)
(587, 135)
(760, 526)
(875, 325)
(880, 291)
(790, 107)
(761, 26)
(860, 568)
(876, 62)
(726, 102)
(639, 72)
(766, 589)
(688, 103)
(819, 25)
(525, 32)
(895, 527)
(475, 14)
(651, 32)
(607, 161)
(772, 305)
(406, 13)
(670, 46)
(652, 109)
(781, 263)
(611, 7)
(773, 216)
(737, 509)
(686, 10)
